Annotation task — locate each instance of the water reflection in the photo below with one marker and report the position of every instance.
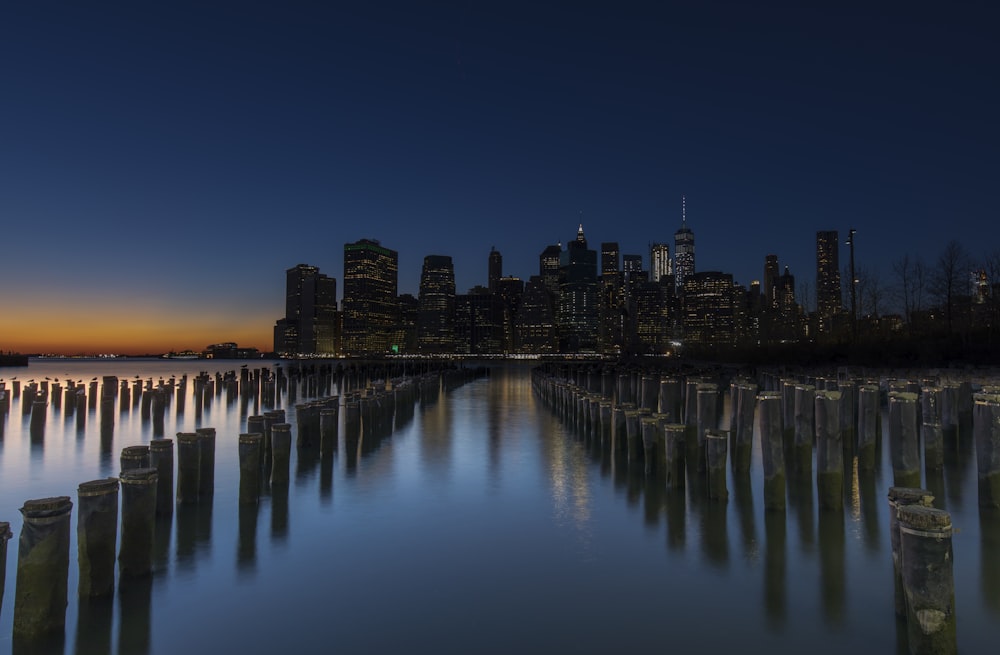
(775, 593)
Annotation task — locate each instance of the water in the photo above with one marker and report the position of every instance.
(485, 525)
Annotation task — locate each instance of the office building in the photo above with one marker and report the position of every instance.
(829, 302)
(311, 321)
(371, 309)
(436, 306)
(683, 249)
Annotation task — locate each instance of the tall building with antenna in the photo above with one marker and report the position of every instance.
(683, 249)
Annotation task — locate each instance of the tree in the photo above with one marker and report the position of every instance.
(949, 278)
(911, 281)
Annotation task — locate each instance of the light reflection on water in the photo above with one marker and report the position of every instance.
(484, 524)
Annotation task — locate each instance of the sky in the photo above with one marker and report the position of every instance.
(163, 164)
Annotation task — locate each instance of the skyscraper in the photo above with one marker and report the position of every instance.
(577, 309)
(495, 270)
(683, 249)
(436, 306)
(371, 308)
(610, 335)
(828, 294)
(548, 267)
(659, 261)
(770, 281)
(310, 323)
(709, 308)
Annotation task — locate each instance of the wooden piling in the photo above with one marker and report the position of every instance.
(40, 596)
(250, 466)
(188, 467)
(206, 462)
(135, 557)
(904, 442)
(902, 497)
(97, 537)
(986, 432)
(769, 413)
(716, 448)
(868, 418)
(829, 450)
(928, 579)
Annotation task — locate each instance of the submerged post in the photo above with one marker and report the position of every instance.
(281, 447)
(97, 536)
(135, 556)
(928, 579)
(829, 450)
(42, 567)
(5, 535)
(161, 458)
(867, 425)
(986, 433)
(187, 467)
(673, 445)
(902, 497)
(206, 462)
(250, 465)
(716, 447)
(903, 440)
(769, 411)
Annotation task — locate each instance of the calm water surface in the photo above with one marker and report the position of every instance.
(485, 525)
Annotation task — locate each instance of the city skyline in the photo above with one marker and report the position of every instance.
(163, 166)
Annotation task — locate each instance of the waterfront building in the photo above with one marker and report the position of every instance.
(829, 302)
(436, 306)
(479, 322)
(659, 261)
(371, 310)
(311, 322)
(610, 312)
(770, 281)
(495, 270)
(683, 249)
(535, 322)
(577, 312)
(709, 309)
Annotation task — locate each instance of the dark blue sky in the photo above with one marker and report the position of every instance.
(175, 158)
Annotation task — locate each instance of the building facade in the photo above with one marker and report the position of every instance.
(371, 310)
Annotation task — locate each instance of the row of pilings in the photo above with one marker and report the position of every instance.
(119, 518)
(669, 427)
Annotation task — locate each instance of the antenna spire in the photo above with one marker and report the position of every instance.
(683, 211)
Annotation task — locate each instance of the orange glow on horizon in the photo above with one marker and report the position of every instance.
(79, 327)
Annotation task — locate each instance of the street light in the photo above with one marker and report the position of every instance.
(854, 287)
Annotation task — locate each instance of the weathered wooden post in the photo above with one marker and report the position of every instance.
(134, 457)
(652, 444)
(633, 435)
(986, 432)
(42, 567)
(188, 467)
(805, 413)
(868, 417)
(206, 462)
(902, 497)
(928, 579)
(5, 535)
(769, 412)
(669, 402)
(708, 417)
(903, 439)
(829, 450)
(743, 411)
(619, 429)
(250, 465)
(716, 447)
(328, 419)
(933, 438)
(135, 556)
(97, 537)
(281, 447)
(674, 454)
(161, 458)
